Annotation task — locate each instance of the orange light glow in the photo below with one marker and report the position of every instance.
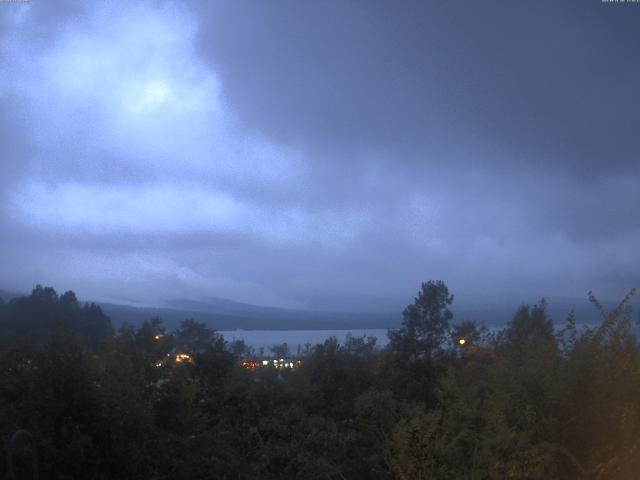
(183, 357)
(250, 365)
(462, 341)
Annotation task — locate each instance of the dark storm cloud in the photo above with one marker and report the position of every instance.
(327, 155)
(518, 80)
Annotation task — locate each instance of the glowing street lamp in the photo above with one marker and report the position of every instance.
(462, 342)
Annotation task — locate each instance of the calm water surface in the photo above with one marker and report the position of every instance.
(267, 338)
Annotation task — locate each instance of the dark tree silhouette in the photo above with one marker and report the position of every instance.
(425, 322)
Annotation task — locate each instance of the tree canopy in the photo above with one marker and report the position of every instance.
(525, 402)
(425, 322)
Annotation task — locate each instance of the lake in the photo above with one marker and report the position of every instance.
(266, 338)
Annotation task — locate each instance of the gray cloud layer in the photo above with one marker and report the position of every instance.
(321, 155)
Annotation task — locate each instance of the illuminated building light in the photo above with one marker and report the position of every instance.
(462, 341)
(183, 357)
(250, 365)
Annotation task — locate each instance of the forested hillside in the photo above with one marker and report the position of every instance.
(445, 399)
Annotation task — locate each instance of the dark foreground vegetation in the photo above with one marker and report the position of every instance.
(445, 400)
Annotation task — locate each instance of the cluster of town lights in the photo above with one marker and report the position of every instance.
(183, 358)
(275, 363)
(250, 365)
(281, 363)
(247, 364)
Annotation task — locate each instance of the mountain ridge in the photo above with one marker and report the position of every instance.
(224, 314)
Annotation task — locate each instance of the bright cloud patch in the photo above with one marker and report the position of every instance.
(126, 84)
(122, 90)
(173, 208)
(122, 66)
(163, 207)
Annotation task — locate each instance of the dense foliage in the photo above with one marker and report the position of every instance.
(79, 401)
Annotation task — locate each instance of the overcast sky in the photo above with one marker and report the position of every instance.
(321, 155)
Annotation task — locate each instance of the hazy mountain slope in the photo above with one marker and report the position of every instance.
(6, 296)
(223, 314)
(227, 315)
